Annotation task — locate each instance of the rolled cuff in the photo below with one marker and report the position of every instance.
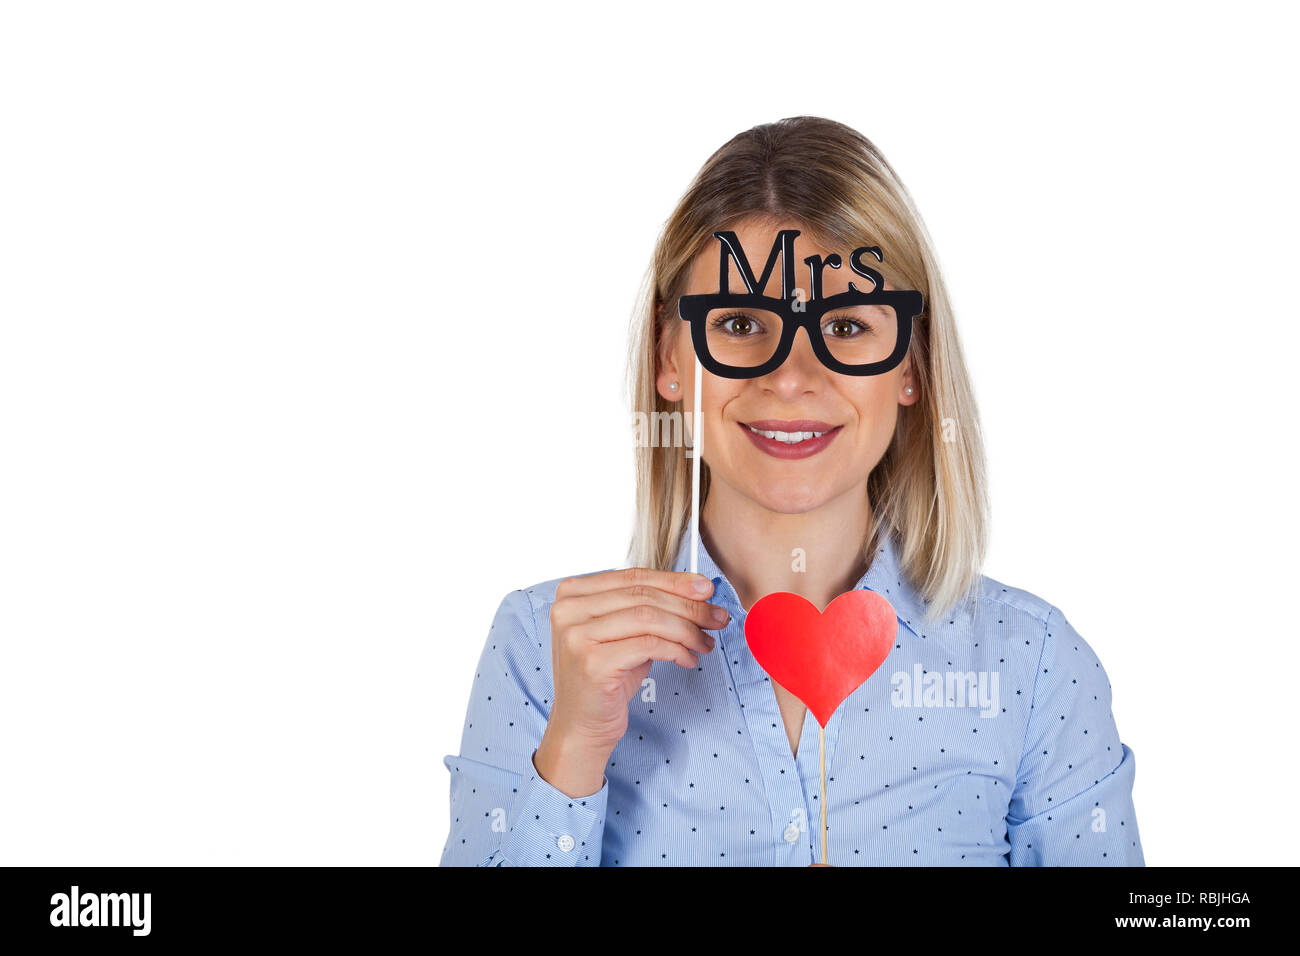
(1097, 827)
(550, 828)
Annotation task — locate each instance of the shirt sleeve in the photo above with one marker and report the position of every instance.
(1073, 800)
(502, 812)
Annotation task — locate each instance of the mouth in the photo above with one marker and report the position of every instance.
(790, 439)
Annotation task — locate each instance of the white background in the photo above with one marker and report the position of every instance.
(262, 491)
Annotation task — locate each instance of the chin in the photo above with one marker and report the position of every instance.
(790, 497)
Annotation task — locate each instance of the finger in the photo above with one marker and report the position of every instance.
(700, 613)
(683, 583)
(627, 654)
(644, 619)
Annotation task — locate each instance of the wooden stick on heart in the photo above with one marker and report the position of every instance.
(821, 657)
(821, 741)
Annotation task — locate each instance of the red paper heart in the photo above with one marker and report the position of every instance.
(819, 657)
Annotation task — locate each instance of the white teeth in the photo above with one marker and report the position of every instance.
(790, 438)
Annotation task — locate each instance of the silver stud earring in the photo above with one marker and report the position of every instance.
(908, 390)
(672, 386)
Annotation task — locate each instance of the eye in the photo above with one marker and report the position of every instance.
(842, 327)
(738, 324)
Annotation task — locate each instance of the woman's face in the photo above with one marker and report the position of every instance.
(855, 414)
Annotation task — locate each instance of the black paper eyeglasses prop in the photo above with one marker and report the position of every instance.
(746, 335)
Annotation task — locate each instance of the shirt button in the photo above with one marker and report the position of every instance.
(565, 843)
(791, 834)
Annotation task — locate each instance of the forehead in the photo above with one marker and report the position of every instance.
(757, 237)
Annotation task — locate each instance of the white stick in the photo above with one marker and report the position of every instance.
(697, 444)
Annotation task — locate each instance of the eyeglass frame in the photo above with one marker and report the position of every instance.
(906, 303)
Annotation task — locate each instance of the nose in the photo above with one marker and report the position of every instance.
(799, 374)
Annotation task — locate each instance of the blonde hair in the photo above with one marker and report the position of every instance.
(929, 488)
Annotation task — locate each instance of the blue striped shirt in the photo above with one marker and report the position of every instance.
(984, 740)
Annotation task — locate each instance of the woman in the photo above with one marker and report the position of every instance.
(619, 719)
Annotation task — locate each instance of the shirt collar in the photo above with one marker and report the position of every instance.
(885, 576)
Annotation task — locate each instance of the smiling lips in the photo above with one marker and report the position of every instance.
(790, 439)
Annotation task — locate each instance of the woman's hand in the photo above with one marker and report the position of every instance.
(606, 631)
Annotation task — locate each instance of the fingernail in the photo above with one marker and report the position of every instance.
(709, 639)
(720, 614)
(702, 586)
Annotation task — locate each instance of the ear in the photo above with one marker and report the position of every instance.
(906, 381)
(666, 370)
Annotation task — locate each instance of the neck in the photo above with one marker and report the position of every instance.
(818, 554)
